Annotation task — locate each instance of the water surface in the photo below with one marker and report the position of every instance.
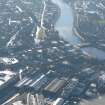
(65, 23)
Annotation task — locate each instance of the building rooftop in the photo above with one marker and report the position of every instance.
(5, 76)
(8, 61)
(55, 85)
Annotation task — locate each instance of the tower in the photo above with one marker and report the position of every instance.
(40, 33)
(20, 74)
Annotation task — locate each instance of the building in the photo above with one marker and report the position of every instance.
(40, 34)
(101, 82)
(6, 77)
(8, 61)
(58, 101)
(32, 84)
(68, 89)
(55, 86)
(73, 89)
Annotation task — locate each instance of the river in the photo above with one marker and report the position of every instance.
(65, 25)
